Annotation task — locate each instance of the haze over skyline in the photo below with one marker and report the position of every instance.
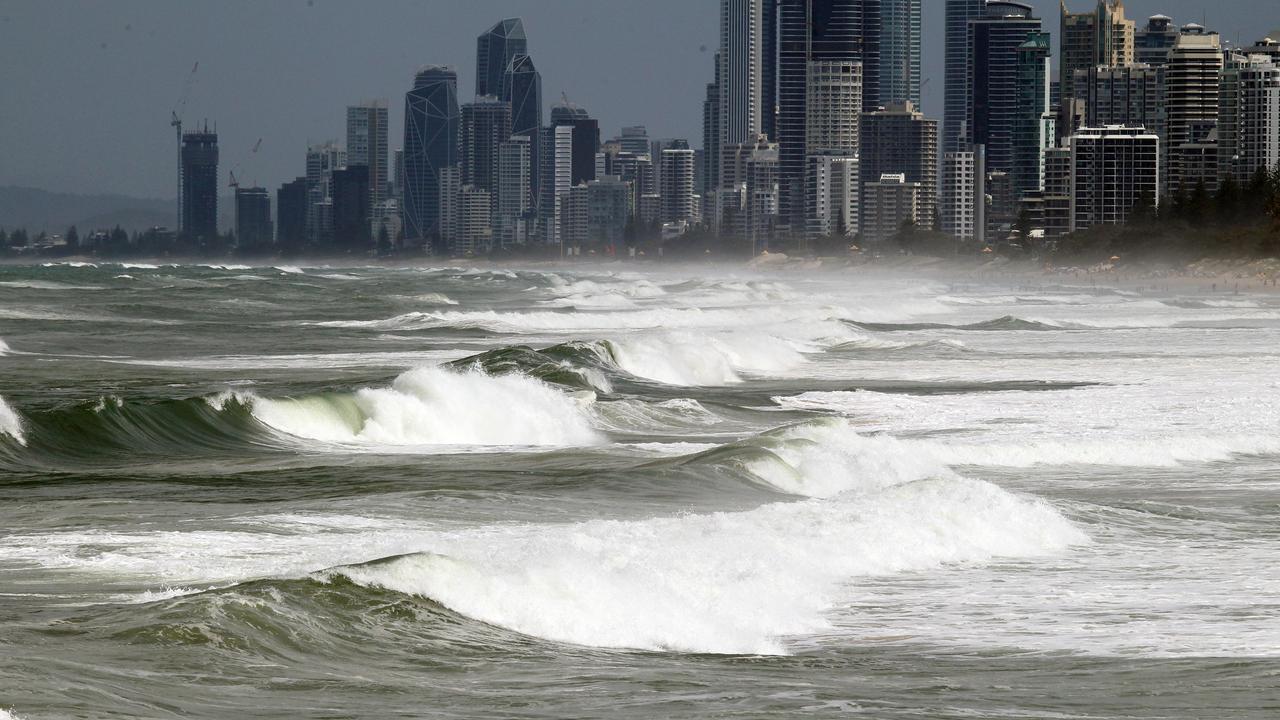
(90, 113)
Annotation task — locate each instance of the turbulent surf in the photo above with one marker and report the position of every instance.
(594, 491)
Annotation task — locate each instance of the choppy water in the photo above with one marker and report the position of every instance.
(447, 492)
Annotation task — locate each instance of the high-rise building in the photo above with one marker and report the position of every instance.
(515, 192)
(397, 174)
(1033, 129)
(1192, 74)
(200, 185)
(575, 209)
(586, 139)
(1113, 170)
(900, 52)
(450, 179)
(833, 195)
(556, 166)
(486, 124)
(740, 102)
(495, 49)
(323, 160)
(959, 197)
(291, 216)
(817, 31)
(956, 97)
(1151, 44)
(712, 136)
(634, 140)
(352, 212)
(1129, 95)
(900, 139)
(609, 208)
(430, 143)
(676, 185)
(254, 229)
(1249, 116)
(474, 233)
(1056, 217)
(522, 85)
(994, 42)
(367, 145)
(888, 204)
(1103, 36)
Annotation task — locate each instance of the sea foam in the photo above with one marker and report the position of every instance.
(736, 583)
(433, 407)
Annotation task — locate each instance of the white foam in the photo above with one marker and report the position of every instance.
(46, 285)
(8, 715)
(688, 359)
(11, 422)
(139, 266)
(435, 407)
(4, 348)
(290, 269)
(718, 583)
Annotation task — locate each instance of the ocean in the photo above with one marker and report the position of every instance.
(633, 491)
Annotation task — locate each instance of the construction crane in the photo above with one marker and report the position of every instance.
(234, 183)
(175, 121)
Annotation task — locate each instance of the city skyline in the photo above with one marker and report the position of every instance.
(146, 30)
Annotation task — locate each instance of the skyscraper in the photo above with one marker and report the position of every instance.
(486, 124)
(814, 31)
(430, 143)
(1151, 44)
(712, 133)
(1192, 73)
(254, 230)
(515, 196)
(676, 181)
(740, 75)
(1033, 128)
(900, 52)
(994, 41)
(900, 139)
(351, 209)
(522, 87)
(586, 139)
(1112, 169)
(291, 216)
(495, 49)
(367, 145)
(955, 111)
(322, 161)
(200, 185)
(1249, 117)
(556, 166)
(1103, 36)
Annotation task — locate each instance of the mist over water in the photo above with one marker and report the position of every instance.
(596, 491)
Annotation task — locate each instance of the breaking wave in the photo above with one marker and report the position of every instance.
(433, 407)
(11, 423)
(728, 582)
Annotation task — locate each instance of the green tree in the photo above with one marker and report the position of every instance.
(384, 240)
(73, 238)
(1227, 202)
(18, 238)
(4, 238)
(1199, 205)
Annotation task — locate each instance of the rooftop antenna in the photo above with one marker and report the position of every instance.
(175, 121)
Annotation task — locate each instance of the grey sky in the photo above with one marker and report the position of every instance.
(86, 87)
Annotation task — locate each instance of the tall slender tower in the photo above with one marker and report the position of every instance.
(200, 185)
(486, 124)
(955, 111)
(430, 144)
(1192, 75)
(494, 50)
(740, 71)
(900, 41)
(367, 145)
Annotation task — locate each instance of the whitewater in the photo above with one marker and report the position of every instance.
(632, 490)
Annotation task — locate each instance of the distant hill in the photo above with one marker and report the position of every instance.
(54, 212)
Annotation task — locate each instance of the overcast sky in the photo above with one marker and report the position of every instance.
(86, 87)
